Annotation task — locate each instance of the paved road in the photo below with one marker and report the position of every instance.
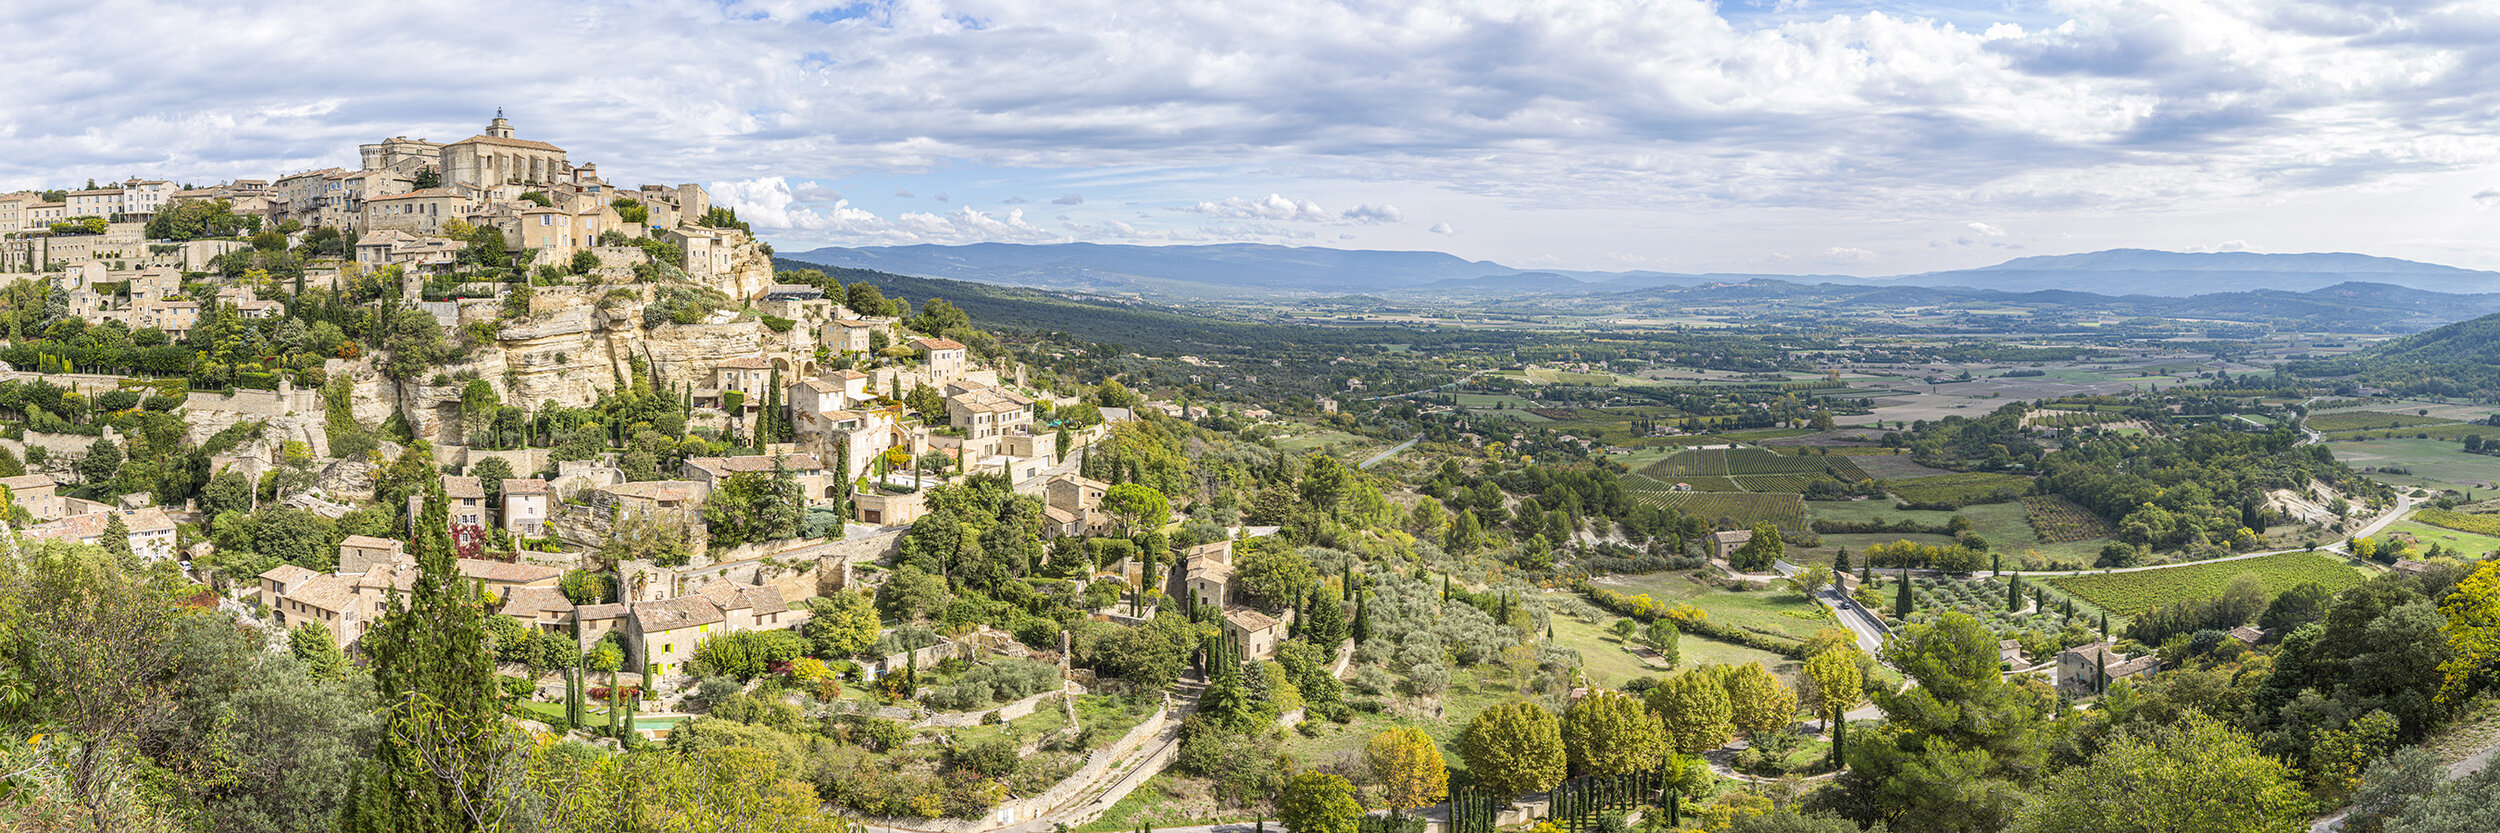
(2471, 764)
(2404, 504)
(1381, 457)
(1860, 621)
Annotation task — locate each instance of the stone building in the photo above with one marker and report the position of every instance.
(496, 158)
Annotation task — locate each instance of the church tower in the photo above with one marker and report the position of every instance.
(500, 128)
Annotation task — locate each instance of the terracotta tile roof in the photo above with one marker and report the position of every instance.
(680, 612)
(535, 601)
(483, 139)
(151, 519)
(762, 600)
(524, 486)
(457, 487)
(589, 613)
(938, 344)
(325, 592)
(287, 574)
(849, 374)
(1248, 620)
(723, 466)
(28, 481)
(369, 542)
(663, 490)
(498, 571)
(746, 363)
(421, 193)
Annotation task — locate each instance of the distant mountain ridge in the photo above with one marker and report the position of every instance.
(1256, 270)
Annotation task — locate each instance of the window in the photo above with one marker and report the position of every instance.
(669, 648)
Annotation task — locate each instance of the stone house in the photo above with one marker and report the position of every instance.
(500, 578)
(673, 500)
(1209, 571)
(420, 214)
(663, 634)
(943, 358)
(848, 335)
(1072, 503)
(359, 553)
(2079, 669)
(151, 535)
(1254, 633)
(35, 493)
(985, 416)
(1725, 543)
(747, 607)
(597, 621)
(807, 469)
(879, 507)
(294, 596)
(542, 609)
(525, 507)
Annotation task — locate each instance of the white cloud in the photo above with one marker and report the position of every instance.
(2048, 115)
(1985, 229)
(1274, 207)
(1841, 255)
(1368, 213)
(2487, 198)
(1443, 229)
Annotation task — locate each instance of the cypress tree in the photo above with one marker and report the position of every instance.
(1901, 603)
(1840, 739)
(1362, 621)
(1840, 562)
(1996, 564)
(2014, 594)
(2104, 625)
(430, 663)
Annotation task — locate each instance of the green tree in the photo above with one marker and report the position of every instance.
(1838, 684)
(2195, 776)
(103, 460)
(1274, 577)
(1757, 701)
(1514, 748)
(432, 671)
(1610, 733)
(1759, 552)
(312, 644)
(116, 539)
(1695, 710)
(1319, 802)
(844, 625)
(864, 298)
(1138, 506)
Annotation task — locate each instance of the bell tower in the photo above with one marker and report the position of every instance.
(500, 128)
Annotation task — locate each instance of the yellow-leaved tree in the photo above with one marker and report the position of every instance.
(2473, 630)
(1409, 768)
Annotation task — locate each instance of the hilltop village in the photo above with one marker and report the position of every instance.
(327, 493)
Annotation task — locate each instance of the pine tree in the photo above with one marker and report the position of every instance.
(429, 659)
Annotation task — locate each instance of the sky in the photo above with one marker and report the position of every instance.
(1788, 136)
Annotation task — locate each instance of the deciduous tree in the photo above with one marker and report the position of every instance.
(1514, 748)
(1695, 710)
(1409, 768)
(1610, 733)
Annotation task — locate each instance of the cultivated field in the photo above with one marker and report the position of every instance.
(2128, 594)
(1963, 489)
